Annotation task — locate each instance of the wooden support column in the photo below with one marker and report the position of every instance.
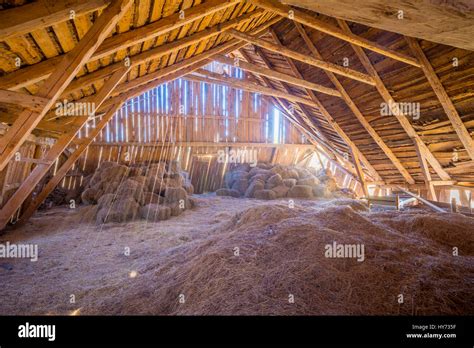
(360, 172)
(63, 75)
(443, 97)
(425, 170)
(42, 168)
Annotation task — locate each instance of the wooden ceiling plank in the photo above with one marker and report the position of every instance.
(280, 49)
(278, 76)
(310, 21)
(331, 121)
(350, 103)
(63, 75)
(443, 97)
(402, 118)
(30, 102)
(43, 13)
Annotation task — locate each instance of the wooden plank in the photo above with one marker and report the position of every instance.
(312, 22)
(446, 22)
(425, 170)
(277, 75)
(350, 103)
(402, 118)
(422, 200)
(57, 82)
(43, 13)
(443, 97)
(280, 49)
(30, 102)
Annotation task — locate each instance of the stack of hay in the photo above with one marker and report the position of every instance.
(153, 192)
(267, 181)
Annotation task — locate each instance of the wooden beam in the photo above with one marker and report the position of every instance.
(402, 118)
(210, 77)
(28, 185)
(83, 143)
(443, 97)
(26, 101)
(40, 71)
(305, 115)
(355, 110)
(331, 121)
(360, 172)
(43, 13)
(422, 200)
(447, 22)
(277, 75)
(312, 22)
(425, 171)
(57, 82)
(280, 49)
(55, 151)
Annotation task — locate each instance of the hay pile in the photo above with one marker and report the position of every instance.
(153, 192)
(282, 253)
(267, 181)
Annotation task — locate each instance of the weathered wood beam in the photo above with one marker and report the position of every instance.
(55, 151)
(447, 22)
(443, 97)
(63, 75)
(280, 49)
(355, 110)
(387, 97)
(331, 121)
(277, 75)
(210, 77)
(318, 134)
(26, 101)
(312, 22)
(360, 172)
(40, 71)
(43, 13)
(425, 170)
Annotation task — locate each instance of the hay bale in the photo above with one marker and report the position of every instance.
(155, 212)
(259, 177)
(259, 171)
(242, 167)
(331, 185)
(191, 203)
(240, 185)
(173, 180)
(228, 192)
(321, 191)
(189, 188)
(176, 208)
(301, 191)
(254, 186)
(280, 191)
(141, 179)
(175, 194)
(273, 181)
(88, 195)
(265, 194)
(110, 187)
(310, 181)
(150, 197)
(122, 210)
(302, 172)
(174, 167)
(289, 182)
(130, 188)
(289, 173)
(106, 201)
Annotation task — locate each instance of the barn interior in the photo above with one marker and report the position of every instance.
(236, 157)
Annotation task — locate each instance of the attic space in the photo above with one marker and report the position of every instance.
(236, 157)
